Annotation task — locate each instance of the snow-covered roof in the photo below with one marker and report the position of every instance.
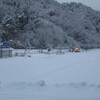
(6, 48)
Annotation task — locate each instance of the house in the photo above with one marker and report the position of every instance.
(5, 51)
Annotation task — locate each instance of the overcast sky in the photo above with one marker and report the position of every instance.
(95, 4)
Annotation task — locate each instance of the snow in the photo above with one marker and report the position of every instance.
(70, 76)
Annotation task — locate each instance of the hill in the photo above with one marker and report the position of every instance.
(49, 24)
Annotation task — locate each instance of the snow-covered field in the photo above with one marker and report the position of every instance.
(71, 76)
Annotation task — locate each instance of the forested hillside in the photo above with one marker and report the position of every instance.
(49, 24)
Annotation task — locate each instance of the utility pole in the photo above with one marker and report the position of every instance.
(0, 52)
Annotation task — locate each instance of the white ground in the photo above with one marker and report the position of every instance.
(72, 76)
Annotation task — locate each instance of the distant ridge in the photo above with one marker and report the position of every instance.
(49, 24)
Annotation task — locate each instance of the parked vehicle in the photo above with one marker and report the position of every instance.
(77, 50)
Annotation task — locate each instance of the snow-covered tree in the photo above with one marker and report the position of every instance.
(49, 24)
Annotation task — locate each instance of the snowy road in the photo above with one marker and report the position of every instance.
(72, 76)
